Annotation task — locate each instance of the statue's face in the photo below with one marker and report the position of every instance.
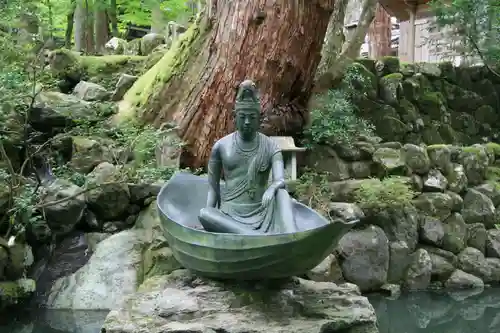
(248, 121)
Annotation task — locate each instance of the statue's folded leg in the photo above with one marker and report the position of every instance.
(285, 210)
(213, 220)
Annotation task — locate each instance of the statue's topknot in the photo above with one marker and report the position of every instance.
(247, 96)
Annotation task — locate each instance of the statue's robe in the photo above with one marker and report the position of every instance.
(242, 200)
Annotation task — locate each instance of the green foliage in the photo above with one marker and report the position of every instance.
(313, 189)
(376, 194)
(474, 23)
(21, 77)
(333, 120)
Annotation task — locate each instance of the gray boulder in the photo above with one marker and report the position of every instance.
(365, 257)
(180, 302)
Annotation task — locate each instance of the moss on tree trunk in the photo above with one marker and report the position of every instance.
(275, 43)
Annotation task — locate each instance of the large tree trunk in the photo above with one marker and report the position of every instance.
(89, 27)
(69, 26)
(334, 38)
(275, 43)
(101, 28)
(379, 34)
(112, 18)
(79, 16)
(335, 66)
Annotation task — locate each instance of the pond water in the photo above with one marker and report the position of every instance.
(54, 321)
(459, 312)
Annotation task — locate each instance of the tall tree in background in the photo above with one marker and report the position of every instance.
(277, 44)
(472, 27)
(101, 24)
(335, 54)
(380, 33)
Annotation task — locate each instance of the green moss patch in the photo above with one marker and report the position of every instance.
(173, 63)
(390, 192)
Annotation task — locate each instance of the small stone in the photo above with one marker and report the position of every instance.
(478, 208)
(346, 211)
(91, 92)
(125, 82)
(477, 236)
(389, 161)
(472, 261)
(457, 180)
(431, 231)
(434, 181)
(455, 233)
(418, 276)
(416, 158)
(462, 280)
(493, 243)
(327, 271)
(441, 267)
(398, 262)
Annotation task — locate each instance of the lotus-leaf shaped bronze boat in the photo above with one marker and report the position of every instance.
(236, 256)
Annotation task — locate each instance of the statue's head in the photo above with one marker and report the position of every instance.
(247, 109)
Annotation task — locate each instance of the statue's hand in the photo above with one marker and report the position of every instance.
(268, 196)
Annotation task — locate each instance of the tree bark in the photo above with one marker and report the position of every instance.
(79, 25)
(69, 26)
(89, 27)
(275, 43)
(101, 28)
(379, 34)
(350, 50)
(158, 23)
(112, 18)
(334, 38)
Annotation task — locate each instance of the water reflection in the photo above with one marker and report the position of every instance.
(426, 312)
(56, 321)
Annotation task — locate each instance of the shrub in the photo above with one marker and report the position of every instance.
(390, 192)
(333, 120)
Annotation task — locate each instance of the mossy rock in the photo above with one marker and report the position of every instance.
(105, 70)
(448, 71)
(486, 89)
(408, 70)
(13, 292)
(461, 100)
(408, 112)
(463, 77)
(133, 47)
(65, 64)
(486, 114)
(464, 122)
(368, 63)
(448, 134)
(433, 104)
(477, 73)
(390, 88)
(411, 88)
(493, 148)
(390, 161)
(431, 135)
(387, 65)
(428, 69)
(493, 174)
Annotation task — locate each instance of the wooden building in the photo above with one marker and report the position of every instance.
(420, 40)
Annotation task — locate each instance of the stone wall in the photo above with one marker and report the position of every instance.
(446, 235)
(427, 103)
